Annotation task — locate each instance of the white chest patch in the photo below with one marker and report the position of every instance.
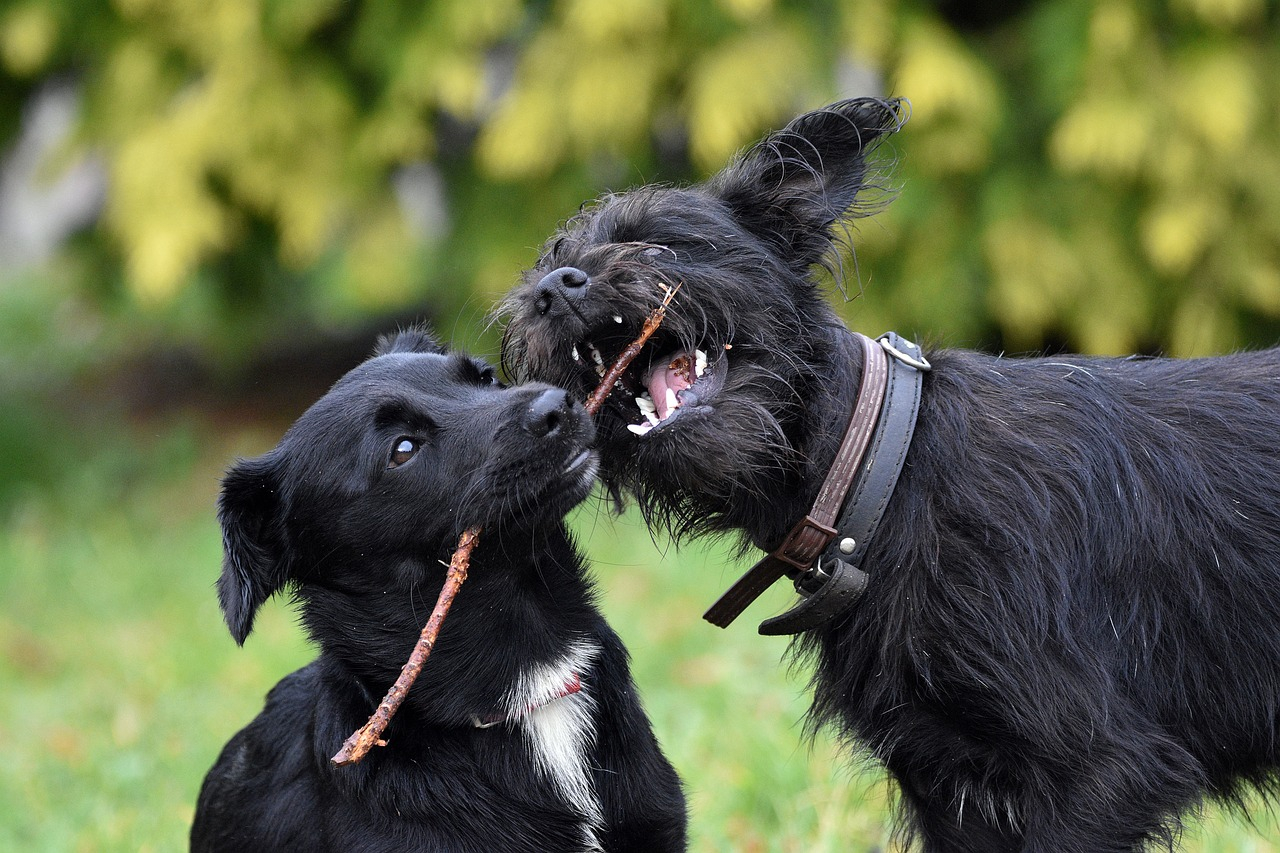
(560, 728)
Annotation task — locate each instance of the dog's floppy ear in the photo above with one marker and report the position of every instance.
(413, 339)
(793, 185)
(255, 562)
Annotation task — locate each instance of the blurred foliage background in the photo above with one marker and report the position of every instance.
(209, 207)
(1102, 175)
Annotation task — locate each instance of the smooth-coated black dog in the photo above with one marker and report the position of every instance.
(1070, 634)
(524, 731)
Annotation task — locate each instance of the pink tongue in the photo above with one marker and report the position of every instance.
(672, 373)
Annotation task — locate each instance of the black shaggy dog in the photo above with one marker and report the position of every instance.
(524, 732)
(1071, 630)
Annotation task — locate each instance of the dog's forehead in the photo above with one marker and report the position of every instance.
(656, 214)
(654, 225)
(395, 377)
(408, 367)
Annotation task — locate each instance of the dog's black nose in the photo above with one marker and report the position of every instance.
(548, 412)
(568, 283)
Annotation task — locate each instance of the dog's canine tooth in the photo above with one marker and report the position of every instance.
(699, 362)
(596, 356)
(640, 429)
(576, 356)
(652, 418)
(672, 402)
(645, 404)
(617, 318)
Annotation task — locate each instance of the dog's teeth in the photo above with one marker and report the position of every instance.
(617, 318)
(652, 418)
(672, 402)
(640, 429)
(699, 362)
(596, 356)
(645, 405)
(600, 370)
(576, 357)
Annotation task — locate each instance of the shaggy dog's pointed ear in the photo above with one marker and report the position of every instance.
(255, 562)
(414, 339)
(792, 186)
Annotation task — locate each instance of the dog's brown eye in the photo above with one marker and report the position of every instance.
(404, 450)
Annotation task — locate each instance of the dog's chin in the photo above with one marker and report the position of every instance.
(580, 474)
(545, 500)
(691, 470)
(684, 419)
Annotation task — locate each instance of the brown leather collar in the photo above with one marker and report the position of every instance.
(811, 536)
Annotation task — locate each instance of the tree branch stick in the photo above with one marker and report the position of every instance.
(624, 359)
(370, 734)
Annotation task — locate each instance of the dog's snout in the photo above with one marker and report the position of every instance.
(548, 412)
(568, 283)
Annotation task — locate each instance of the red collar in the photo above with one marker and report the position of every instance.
(570, 687)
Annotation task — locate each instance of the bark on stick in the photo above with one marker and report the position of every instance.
(628, 355)
(370, 734)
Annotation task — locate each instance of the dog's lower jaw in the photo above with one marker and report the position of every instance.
(752, 467)
(678, 384)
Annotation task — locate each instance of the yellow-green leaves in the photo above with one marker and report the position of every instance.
(1141, 211)
(1099, 174)
(28, 34)
(955, 98)
(587, 81)
(739, 86)
(245, 135)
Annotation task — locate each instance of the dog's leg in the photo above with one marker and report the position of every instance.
(958, 816)
(639, 816)
(956, 823)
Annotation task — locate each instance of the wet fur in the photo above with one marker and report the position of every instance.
(1071, 635)
(361, 545)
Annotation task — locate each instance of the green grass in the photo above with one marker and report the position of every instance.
(119, 682)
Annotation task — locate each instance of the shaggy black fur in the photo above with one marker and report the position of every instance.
(355, 510)
(1071, 635)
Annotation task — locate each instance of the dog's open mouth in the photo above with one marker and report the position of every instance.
(661, 388)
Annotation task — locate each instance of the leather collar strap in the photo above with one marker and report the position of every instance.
(821, 552)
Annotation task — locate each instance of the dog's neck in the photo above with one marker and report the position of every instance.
(525, 603)
(821, 551)
(832, 393)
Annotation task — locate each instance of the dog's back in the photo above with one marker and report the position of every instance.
(524, 732)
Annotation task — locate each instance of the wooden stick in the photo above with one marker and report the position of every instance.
(628, 355)
(370, 734)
